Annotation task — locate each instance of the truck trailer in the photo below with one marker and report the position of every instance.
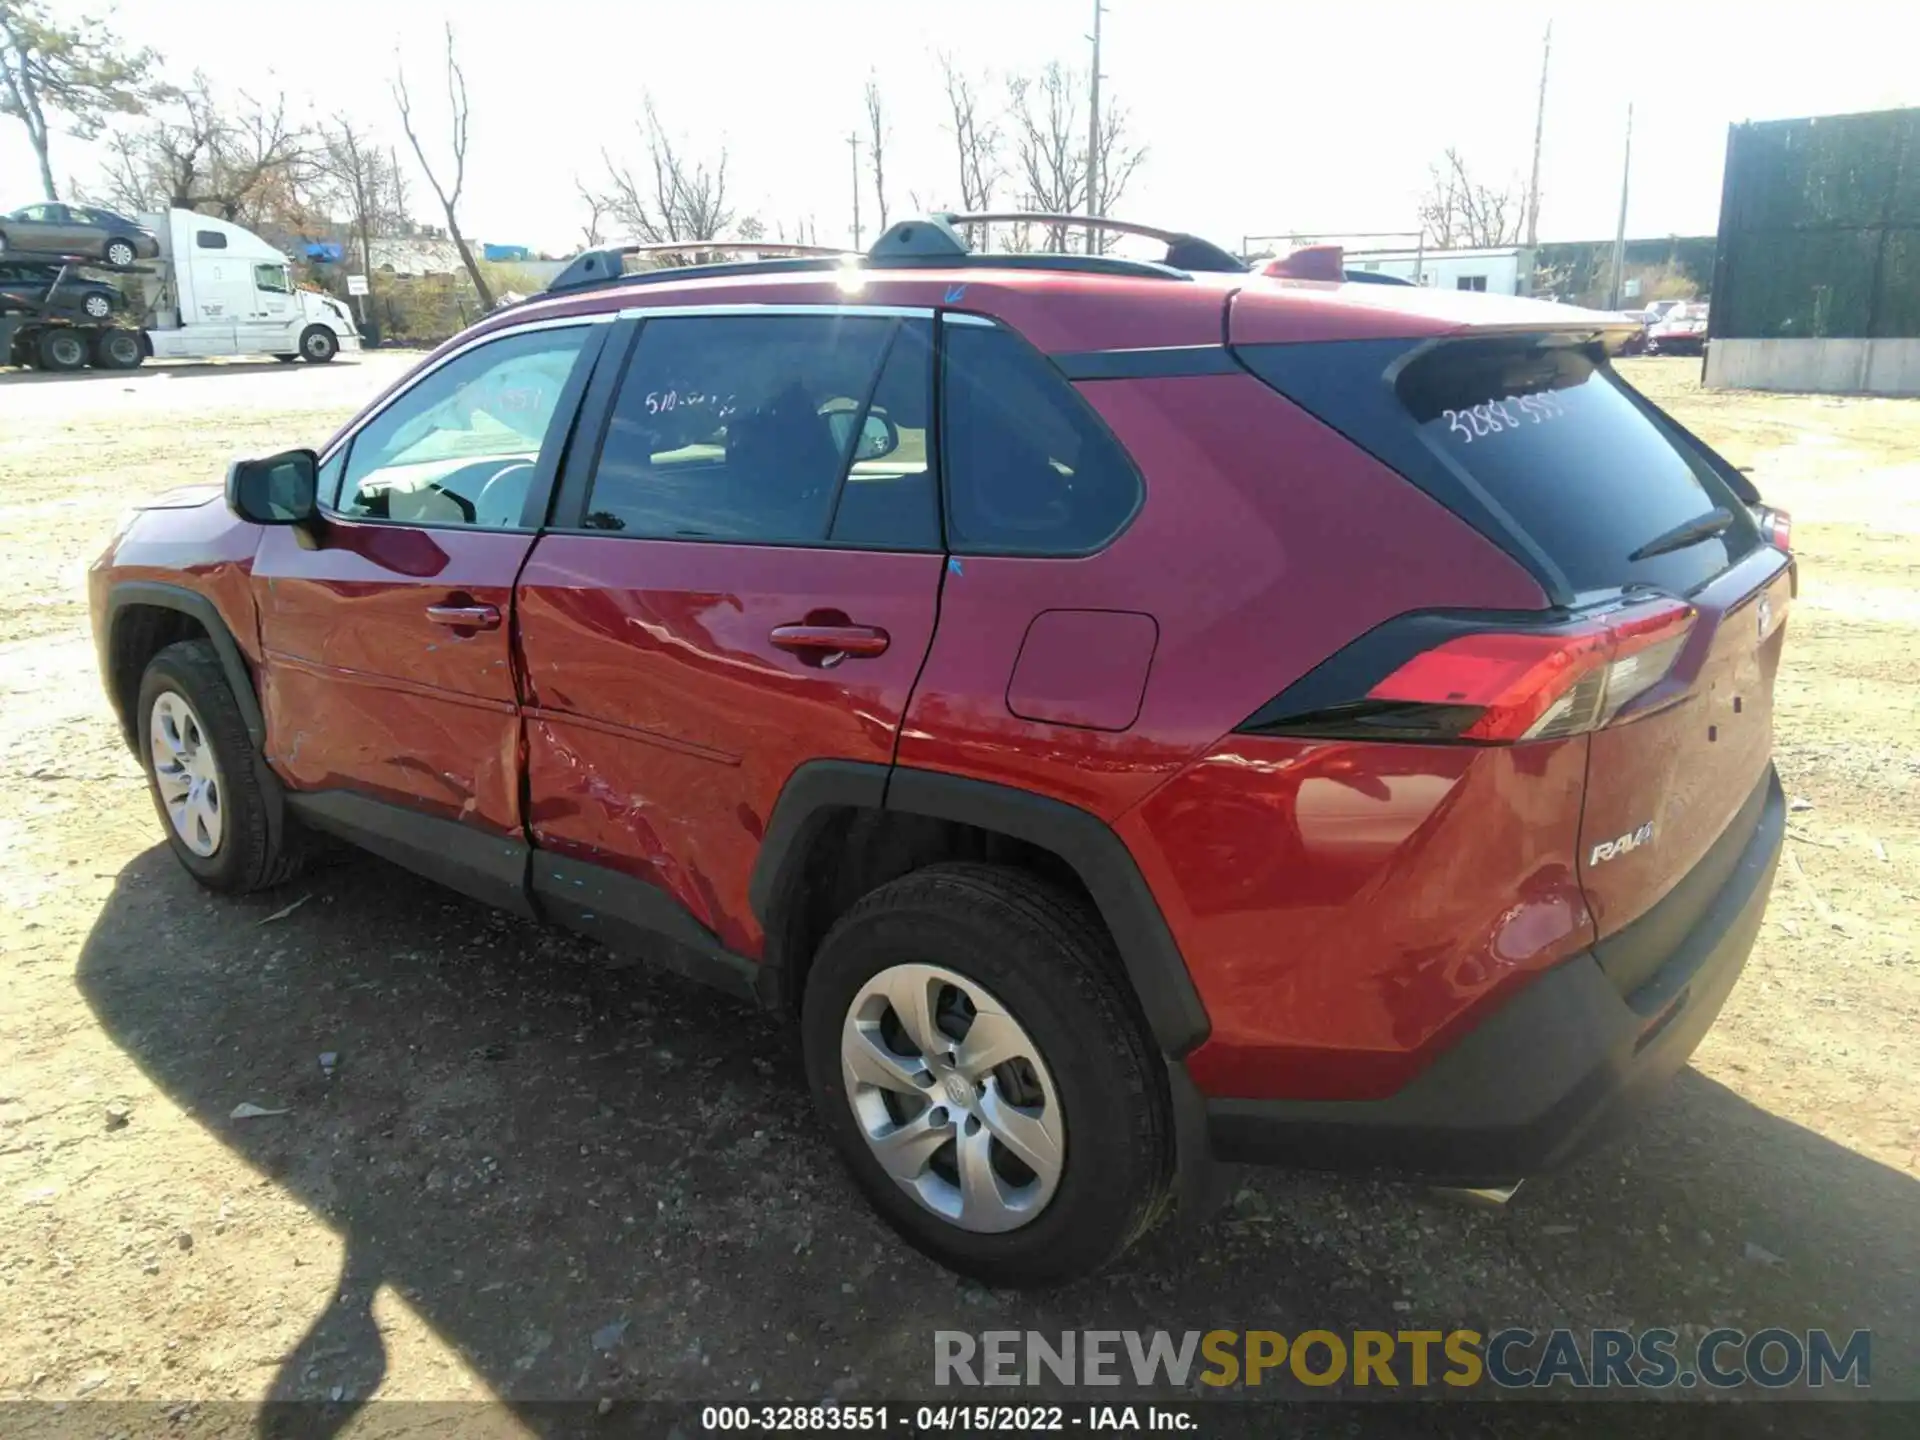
(216, 289)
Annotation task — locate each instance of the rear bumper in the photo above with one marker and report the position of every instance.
(1566, 1060)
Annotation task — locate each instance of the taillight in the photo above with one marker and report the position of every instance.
(1494, 686)
(1776, 527)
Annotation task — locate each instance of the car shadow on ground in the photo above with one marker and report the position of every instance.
(594, 1181)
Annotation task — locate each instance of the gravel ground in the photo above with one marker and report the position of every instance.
(529, 1176)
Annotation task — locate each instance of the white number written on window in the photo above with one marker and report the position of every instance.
(659, 400)
(1496, 417)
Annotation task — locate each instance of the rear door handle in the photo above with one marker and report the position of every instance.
(465, 617)
(828, 645)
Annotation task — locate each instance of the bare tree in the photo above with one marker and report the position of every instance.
(79, 72)
(1050, 150)
(449, 197)
(592, 234)
(676, 197)
(876, 146)
(1049, 159)
(360, 175)
(1458, 211)
(239, 158)
(976, 140)
(1119, 158)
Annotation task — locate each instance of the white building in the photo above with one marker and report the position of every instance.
(1505, 271)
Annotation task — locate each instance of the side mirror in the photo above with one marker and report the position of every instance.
(879, 437)
(279, 490)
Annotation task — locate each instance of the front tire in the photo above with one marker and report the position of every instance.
(200, 770)
(1024, 1138)
(318, 345)
(120, 252)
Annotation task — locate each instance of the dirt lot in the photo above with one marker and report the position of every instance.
(532, 1177)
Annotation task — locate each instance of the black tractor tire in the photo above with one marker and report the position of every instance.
(62, 349)
(118, 350)
(318, 345)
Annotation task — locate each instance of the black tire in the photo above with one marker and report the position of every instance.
(118, 350)
(1043, 953)
(120, 252)
(247, 857)
(62, 349)
(318, 345)
(96, 305)
(3, 242)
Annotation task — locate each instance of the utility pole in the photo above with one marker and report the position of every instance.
(853, 144)
(1539, 125)
(1093, 134)
(1620, 231)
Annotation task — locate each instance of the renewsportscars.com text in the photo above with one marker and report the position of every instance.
(1653, 1359)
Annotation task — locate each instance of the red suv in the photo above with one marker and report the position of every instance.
(1129, 714)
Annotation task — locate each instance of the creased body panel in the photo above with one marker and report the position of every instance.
(1346, 908)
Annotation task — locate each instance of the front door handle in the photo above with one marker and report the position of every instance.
(465, 617)
(828, 645)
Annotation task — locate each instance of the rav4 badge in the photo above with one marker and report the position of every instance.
(1608, 849)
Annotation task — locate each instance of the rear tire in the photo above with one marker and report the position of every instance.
(118, 350)
(1037, 959)
(200, 766)
(318, 345)
(62, 350)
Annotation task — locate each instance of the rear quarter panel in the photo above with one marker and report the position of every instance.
(1266, 542)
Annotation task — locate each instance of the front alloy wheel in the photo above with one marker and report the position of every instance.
(953, 1097)
(186, 773)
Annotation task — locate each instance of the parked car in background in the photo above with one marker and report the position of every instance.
(1681, 331)
(54, 229)
(1264, 721)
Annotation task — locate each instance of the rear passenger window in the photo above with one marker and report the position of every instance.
(1030, 469)
(774, 429)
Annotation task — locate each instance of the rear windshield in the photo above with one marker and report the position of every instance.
(1538, 444)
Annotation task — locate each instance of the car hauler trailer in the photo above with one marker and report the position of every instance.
(216, 289)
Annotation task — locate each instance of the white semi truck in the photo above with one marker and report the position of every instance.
(216, 289)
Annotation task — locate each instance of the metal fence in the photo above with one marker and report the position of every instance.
(1820, 229)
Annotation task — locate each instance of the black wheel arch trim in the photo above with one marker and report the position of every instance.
(1087, 844)
(129, 593)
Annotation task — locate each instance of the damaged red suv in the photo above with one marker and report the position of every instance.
(1133, 713)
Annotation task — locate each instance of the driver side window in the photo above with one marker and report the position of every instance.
(460, 447)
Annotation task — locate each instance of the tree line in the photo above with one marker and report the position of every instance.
(1017, 141)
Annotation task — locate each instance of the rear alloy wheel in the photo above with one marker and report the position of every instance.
(62, 350)
(984, 1073)
(120, 252)
(202, 770)
(953, 1097)
(318, 345)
